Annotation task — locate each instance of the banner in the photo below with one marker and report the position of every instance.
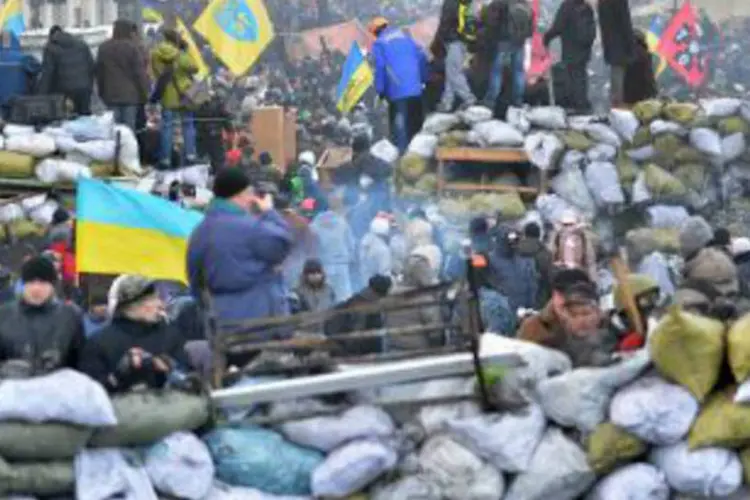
(680, 45)
(540, 60)
(356, 78)
(11, 17)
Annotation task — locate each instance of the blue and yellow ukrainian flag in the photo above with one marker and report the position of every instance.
(238, 32)
(121, 230)
(152, 15)
(653, 36)
(11, 17)
(356, 78)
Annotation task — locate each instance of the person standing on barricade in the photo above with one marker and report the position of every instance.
(618, 42)
(457, 30)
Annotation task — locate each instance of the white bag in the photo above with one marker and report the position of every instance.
(408, 488)
(656, 265)
(570, 184)
(91, 128)
(423, 145)
(65, 396)
(32, 202)
(458, 472)
(742, 396)
(497, 133)
(433, 418)
(475, 114)
(437, 123)
(328, 433)
(36, 145)
(351, 468)
(706, 141)
(181, 466)
(384, 150)
(102, 150)
(518, 118)
(581, 398)
(641, 192)
(197, 175)
(603, 134)
(558, 470)
(625, 123)
(105, 474)
(11, 212)
(542, 149)
(720, 107)
(641, 154)
(656, 411)
(11, 129)
(667, 216)
(505, 440)
(130, 157)
(66, 144)
(52, 170)
(221, 491)
(549, 117)
(708, 472)
(552, 207)
(77, 157)
(602, 152)
(2, 142)
(604, 183)
(473, 138)
(732, 147)
(632, 482)
(573, 159)
(43, 213)
(659, 127)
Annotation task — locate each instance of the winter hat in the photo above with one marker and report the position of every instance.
(39, 268)
(740, 246)
(230, 182)
(307, 158)
(313, 266)
(380, 284)
(695, 233)
(131, 288)
(380, 226)
(60, 216)
(265, 159)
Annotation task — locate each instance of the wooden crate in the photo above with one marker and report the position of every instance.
(274, 129)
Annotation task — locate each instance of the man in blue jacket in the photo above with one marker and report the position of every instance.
(18, 69)
(237, 250)
(401, 70)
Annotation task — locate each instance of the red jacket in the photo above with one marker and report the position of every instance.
(68, 257)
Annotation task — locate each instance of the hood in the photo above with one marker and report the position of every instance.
(64, 39)
(166, 52)
(715, 267)
(121, 30)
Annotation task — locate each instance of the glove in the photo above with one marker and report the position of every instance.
(140, 367)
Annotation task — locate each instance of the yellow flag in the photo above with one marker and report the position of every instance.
(237, 30)
(193, 50)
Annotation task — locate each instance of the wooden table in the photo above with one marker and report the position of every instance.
(506, 156)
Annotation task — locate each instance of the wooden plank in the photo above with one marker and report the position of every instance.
(499, 188)
(494, 155)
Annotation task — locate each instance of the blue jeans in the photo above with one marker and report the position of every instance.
(168, 118)
(126, 114)
(507, 55)
(399, 124)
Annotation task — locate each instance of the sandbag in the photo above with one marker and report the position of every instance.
(666, 146)
(412, 166)
(497, 133)
(661, 183)
(327, 433)
(643, 153)
(423, 145)
(745, 459)
(52, 170)
(681, 112)
(706, 141)
(11, 212)
(474, 138)
(11, 129)
(543, 149)
(732, 147)
(659, 127)
(38, 442)
(558, 470)
(648, 110)
(738, 348)
(38, 478)
(627, 170)
(453, 139)
(36, 145)
(580, 398)
(259, 458)
(603, 134)
(721, 423)
(505, 440)
(667, 216)
(644, 241)
(609, 446)
(142, 420)
(708, 471)
(632, 482)
(720, 107)
(196, 175)
(385, 150)
(624, 122)
(91, 127)
(571, 186)
(658, 267)
(99, 150)
(688, 154)
(509, 205)
(518, 119)
(437, 123)
(23, 228)
(689, 350)
(549, 117)
(66, 396)
(43, 214)
(475, 114)
(101, 170)
(572, 159)
(604, 183)
(180, 465)
(733, 125)
(221, 491)
(129, 161)
(408, 488)
(654, 410)
(351, 468)
(458, 472)
(16, 165)
(692, 175)
(602, 152)
(111, 473)
(575, 140)
(553, 207)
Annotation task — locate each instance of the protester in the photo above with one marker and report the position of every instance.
(235, 253)
(374, 176)
(96, 316)
(456, 32)
(68, 69)
(213, 122)
(337, 249)
(640, 82)
(618, 42)
(173, 71)
(308, 175)
(375, 255)
(511, 274)
(121, 75)
(37, 327)
(313, 293)
(401, 70)
(19, 72)
(572, 247)
(575, 25)
(531, 246)
(645, 292)
(138, 346)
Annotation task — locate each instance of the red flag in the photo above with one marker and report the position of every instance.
(540, 60)
(680, 44)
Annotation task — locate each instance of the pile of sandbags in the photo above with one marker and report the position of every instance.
(30, 216)
(89, 146)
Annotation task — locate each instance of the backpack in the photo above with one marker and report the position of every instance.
(520, 21)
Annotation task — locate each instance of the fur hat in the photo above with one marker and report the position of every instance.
(695, 234)
(39, 268)
(129, 289)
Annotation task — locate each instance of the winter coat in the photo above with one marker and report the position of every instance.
(497, 316)
(535, 249)
(336, 244)
(401, 67)
(121, 76)
(575, 25)
(616, 27)
(48, 337)
(18, 69)
(102, 353)
(240, 257)
(349, 322)
(457, 22)
(315, 299)
(514, 276)
(375, 257)
(162, 57)
(67, 65)
(640, 83)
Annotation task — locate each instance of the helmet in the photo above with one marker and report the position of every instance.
(639, 284)
(376, 25)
